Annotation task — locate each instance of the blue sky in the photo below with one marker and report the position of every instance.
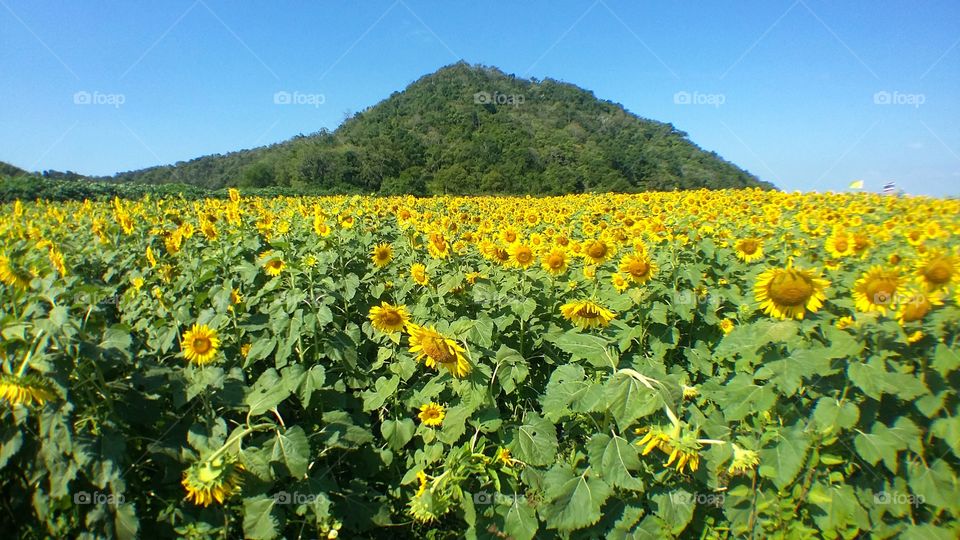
(807, 94)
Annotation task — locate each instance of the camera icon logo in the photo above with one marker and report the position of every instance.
(882, 98)
(282, 98)
(483, 498)
(881, 498)
(482, 98)
(82, 497)
(882, 298)
(282, 497)
(82, 98)
(682, 98)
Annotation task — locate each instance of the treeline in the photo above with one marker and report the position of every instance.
(29, 187)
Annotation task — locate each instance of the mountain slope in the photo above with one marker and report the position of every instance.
(472, 129)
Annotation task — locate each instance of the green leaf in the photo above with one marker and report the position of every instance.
(312, 381)
(589, 347)
(398, 433)
(125, 521)
(266, 393)
(945, 360)
(520, 519)
(629, 399)
(870, 377)
(454, 423)
(566, 389)
(536, 441)
(293, 450)
(829, 413)
(615, 457)
(258, 523)
(383, 390)
(839, 505)
(885, 443)
(574, 499)
(675, 509)
(784, 461)
(740, 397)
(340, 431)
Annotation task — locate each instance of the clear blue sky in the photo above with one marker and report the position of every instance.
(787, 90)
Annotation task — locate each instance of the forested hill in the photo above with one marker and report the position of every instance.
(473, 129)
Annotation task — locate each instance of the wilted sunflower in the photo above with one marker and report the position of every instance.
(789, 292)
(200, 344)
(25, 390)
(639, 267)
(876, 290)
(938, 269)
(389, 318)
(419, 274)
(212, 480)
(587, 314)
(382, 255)
(521, 255)
(682, 447)
(274, 266)
(749, 249)
(431, 414)
(555, 262)
(436, 350)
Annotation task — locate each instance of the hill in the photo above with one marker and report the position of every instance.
(473, 129)
(7, 169)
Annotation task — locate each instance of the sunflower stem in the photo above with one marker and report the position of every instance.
(30, 351)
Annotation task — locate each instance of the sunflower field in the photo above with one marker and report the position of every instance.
(707, 364)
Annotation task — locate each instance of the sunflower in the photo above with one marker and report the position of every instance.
(915, 337)
(844, 322)
(597, 251)
(749, 249)
(235, 296)
(938, 269)
(521, 255)
(419, 274)
(274, 266)
(789, 292)
(555, 262)
(437, 350)
(639, 267)
(212, 480)
(619, 282)
(14, 276)
(382, 254)
(876, 290)
(200, 344)
(838, 244)
(389, 318)
(431, 414)
(25, 390)
(587, 314)
(726, 325)
(438, 247)
(503, 456)
(913, 306)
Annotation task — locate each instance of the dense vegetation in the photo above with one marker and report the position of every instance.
(468, 130)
